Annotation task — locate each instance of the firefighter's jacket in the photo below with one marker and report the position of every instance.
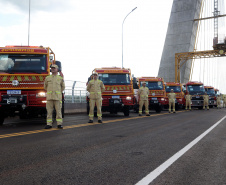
(54, 85)
(188, 97)
(206, 98)
(95, 88)
(171, 96)
(143, 93)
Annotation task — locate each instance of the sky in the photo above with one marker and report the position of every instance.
(87, 34)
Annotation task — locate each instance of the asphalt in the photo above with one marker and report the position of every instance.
(122, 150)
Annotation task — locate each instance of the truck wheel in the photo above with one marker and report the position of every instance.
(158, 110)
(87, 108)
(126, 111)
(62, 110)
(1, 120)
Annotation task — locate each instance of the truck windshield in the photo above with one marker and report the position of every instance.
(175, 88)
(210, 91)
(11, 63)
(196, 89)
(153, 85)
(114, 79)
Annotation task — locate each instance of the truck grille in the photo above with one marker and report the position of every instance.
(23, 82)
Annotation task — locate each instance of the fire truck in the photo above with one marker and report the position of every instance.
(157, 94)
(177, 88)
(212, 97)
(118, 95)
(196, 89)
(23, 70)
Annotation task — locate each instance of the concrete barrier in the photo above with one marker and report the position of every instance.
(70, 108)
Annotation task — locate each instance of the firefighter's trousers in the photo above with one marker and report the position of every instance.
(205, 104)
(145, 103)
(188, 103)
(172, 103)
(91, 108)
(224, 103)
(50, 104)
(218, 103)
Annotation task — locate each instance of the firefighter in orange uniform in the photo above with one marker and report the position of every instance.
(54, 85)
(206, 101)
(143, 99)
(172, 97)
(95, 87)
(188, 98)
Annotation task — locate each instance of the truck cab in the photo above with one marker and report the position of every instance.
(196, 89)
(157, 94)
(118, 95)
(177, 88)
(23, 70)
(212, 97)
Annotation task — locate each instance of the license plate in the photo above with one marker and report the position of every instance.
(154, 98)
(116, 101)
(11, 100)
(115, 97)
(155, 101)
(13, 91)
(197, 97)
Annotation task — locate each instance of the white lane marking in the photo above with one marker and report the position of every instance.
(155, 173)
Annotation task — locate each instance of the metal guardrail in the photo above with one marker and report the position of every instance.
(75, 92)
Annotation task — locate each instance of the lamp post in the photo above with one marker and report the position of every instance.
(122, 31)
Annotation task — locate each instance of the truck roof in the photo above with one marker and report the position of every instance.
(112, 70)
(24, 49)
(208, 87)
(194, 83)
(148, 78)
(173, 84)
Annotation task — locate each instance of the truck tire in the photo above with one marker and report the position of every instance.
(126, 111)
(87, 108)
(62, 109)
(158, 110)
(1, 120)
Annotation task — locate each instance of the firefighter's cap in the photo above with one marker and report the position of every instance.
(95, 73)
(54, 66)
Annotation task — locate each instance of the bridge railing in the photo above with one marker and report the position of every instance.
(75, 92)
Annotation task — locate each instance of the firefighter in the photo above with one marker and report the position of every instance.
(224, 100)
(172, 97)
(54, 85)
(205, 101)
(188, 98)
(143, 99)
(219, 101)
(95, 88)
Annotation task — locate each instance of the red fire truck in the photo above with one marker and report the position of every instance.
(23, 70)
(196, 89)
(118, 95)
(177, 88)
(212, 96)
(157, 94)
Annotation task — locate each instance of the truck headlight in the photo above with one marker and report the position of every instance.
(41, 95)
(162, 99)
(128, 98)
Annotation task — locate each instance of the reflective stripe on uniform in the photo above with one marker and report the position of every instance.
(58, 119)
(99, 115)
(91, 115)
(49, 92)
(58, 92)
(49, 120)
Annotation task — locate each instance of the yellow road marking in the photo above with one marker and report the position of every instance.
(76, 126)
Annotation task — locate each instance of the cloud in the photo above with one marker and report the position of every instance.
(36, 5)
